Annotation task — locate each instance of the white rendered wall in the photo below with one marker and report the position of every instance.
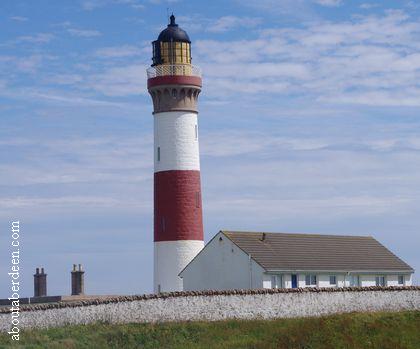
(266, 281)
(392, 280)
(301, 280)
(170, 257)
(367, 280)
(287, 280)
(343, 280)
(175, 134)
(324, 280)
(340, 280)
(222, 266)
(409, 280)
(220, 307)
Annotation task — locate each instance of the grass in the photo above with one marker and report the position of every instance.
(357, 330)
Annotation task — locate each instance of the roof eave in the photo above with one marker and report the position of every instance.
(371, 271)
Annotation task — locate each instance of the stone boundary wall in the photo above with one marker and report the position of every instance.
(216, 305)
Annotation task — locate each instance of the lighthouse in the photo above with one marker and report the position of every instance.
(174, 85)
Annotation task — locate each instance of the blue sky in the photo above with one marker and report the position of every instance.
(309, 122)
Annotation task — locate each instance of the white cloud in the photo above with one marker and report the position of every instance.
(90, 5)
(227, 23)
(233, 143)
(59, 98)
(302, 10)
(156, 2)
(368, 6)
(12, 66)
(199, 23)
(85, 33)
(331, 207)
(40, 38)
(29, 64)
(330, 3)
(414, 5)
(119, 51)
(98, 160)
(120, 81)
(363, 61)
(19, 18)
(64, 79)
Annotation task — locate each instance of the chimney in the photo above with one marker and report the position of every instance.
(40, 283)
(264, 235)
(77, 281)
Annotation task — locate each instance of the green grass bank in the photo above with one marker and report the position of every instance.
(357, 330)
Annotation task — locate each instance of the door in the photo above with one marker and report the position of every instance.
(294, 281)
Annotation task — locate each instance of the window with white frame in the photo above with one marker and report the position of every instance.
(196, 131)
(401, 280)
(333, 280)
(380, 280)
(354, 281)
(158, 153)
(310, 280)
(276, 281)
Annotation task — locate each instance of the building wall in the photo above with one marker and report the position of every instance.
(409, 280)
(287, 281)
(222, 266)
(342, 280)
(266, 280)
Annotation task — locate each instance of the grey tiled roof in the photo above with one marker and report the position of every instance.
(281, 251)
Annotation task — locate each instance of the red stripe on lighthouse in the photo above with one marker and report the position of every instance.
(174, 80)
(178, 214)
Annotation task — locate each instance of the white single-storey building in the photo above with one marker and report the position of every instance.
(245, 260)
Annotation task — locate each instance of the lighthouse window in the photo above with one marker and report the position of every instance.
(196, 132)
(178, 53)
(175, 52)
(164, 51)
(163, 223)
(158, 154)
(186, 52)
(197, 199)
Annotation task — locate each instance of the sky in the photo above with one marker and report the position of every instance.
(309, 122)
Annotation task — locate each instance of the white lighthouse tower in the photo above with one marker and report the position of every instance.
(174, 85)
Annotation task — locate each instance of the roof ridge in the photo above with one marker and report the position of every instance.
(297, 234)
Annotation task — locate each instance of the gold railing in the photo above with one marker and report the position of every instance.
(173, 69)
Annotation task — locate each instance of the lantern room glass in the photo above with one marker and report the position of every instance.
(171, 53)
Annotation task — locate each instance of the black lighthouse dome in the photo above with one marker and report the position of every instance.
(173, 46)
(173, 33)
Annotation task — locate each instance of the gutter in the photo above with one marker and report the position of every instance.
(338, 271)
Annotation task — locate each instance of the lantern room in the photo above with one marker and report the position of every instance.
(173, 46)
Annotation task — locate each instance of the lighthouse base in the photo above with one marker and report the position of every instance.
(170, 257)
